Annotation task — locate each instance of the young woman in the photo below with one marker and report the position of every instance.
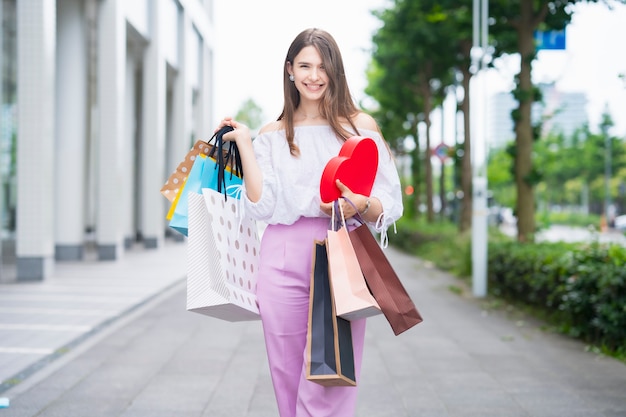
(282, 170)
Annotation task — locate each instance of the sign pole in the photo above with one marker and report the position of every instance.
(478, 133)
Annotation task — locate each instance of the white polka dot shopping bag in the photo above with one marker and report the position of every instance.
(222, 258)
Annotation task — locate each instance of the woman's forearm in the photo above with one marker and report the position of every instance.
(253, 177)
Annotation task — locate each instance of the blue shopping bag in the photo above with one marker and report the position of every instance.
(222, 180)
(205, 173)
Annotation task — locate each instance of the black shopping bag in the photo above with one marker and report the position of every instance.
(329, 350)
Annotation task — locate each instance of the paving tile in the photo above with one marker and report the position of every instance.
(146, 356)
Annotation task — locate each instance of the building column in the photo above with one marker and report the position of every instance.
(178, 137)
(205, 87)
(36, 43)
(180, 140)
(128, 216)
(2, 274)
(71, 130)
(111, 133)
(153, 172)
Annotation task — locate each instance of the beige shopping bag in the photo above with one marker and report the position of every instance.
(353, 299)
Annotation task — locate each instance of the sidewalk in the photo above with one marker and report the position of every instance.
(41, 321)
(141, 354)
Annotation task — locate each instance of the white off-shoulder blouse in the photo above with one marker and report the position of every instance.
(291, 185)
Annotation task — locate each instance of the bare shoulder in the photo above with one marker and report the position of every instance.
(272, 127)
(364, 121)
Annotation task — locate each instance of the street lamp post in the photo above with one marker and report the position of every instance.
(479, 182)
(607, 173)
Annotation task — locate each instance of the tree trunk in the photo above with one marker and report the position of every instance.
(430, 213)
(465, 221)
(442, 191)
(523, 128)
(416, 169)
(442, 177)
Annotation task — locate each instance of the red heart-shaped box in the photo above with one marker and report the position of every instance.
(355, 166)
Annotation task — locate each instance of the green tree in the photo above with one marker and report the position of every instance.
(250, 114)
(409, 73)
(418, 46)
(500, 176)
(572, 169)
(515, 22)
(393, 101)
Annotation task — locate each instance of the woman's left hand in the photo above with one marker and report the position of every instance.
(349, 210)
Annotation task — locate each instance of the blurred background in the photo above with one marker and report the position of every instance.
(102, 98)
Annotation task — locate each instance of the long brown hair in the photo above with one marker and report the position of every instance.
(337, 103)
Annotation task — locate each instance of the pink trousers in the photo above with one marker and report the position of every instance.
(283, 298)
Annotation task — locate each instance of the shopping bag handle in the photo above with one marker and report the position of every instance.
(223, 159)
(380, 227)
(338, 215)
(338, 218)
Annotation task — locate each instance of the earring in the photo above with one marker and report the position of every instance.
(291, 77)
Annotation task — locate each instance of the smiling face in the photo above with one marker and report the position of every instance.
(310, 78)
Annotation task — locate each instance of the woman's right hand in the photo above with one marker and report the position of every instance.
(239, 135)
(253, 177)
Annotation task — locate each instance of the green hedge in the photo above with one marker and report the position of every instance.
(578, 288)
(582, 288)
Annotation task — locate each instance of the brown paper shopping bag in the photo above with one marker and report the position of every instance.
(394, 301)
(176, 180)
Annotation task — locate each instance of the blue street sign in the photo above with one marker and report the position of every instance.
(552, 39)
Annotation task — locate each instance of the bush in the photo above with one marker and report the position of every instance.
(579, 288)
(547, 218)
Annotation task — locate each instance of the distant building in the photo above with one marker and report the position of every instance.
(563, 112)
(100, 101)
(500, 127)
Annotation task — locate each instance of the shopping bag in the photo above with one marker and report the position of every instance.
(353, 299)
(172, 209)
(206, 172)
(193, 184)
(223, 180)
(215, 165)
(382, 280)
(176, 180)
(329, 350)
(222, 259)
(227, 156)
(227, 159)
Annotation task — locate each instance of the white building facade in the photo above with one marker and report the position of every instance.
(561, 112)
(109, 95)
